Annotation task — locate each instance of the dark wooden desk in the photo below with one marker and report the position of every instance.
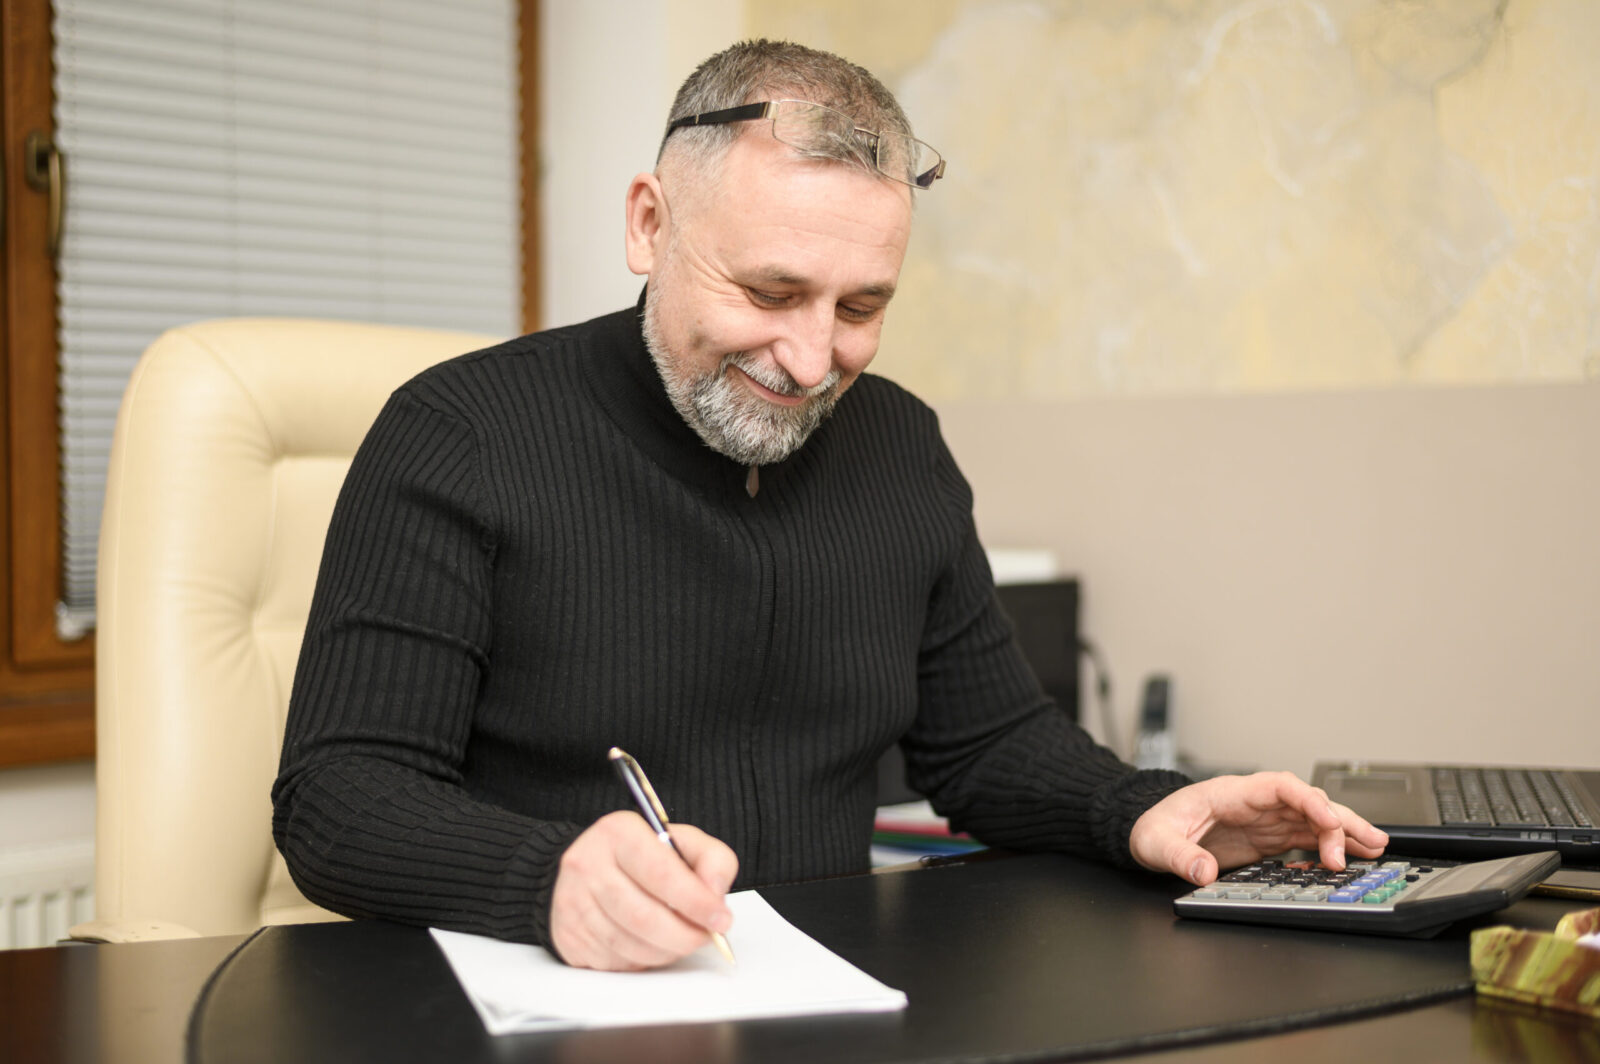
(85, 1004)
(1052, 954)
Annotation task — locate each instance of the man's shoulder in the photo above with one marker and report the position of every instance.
(899, 429)
(544, 362)
(878, 398)
(882, 390)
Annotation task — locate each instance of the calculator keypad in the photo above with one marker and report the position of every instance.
(1371, 883)
(1416, 896)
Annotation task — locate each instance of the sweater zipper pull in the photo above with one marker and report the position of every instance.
(752, 481)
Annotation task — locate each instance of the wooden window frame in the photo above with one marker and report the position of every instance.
(46, 684)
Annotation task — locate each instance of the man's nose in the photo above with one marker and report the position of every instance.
(805, 351)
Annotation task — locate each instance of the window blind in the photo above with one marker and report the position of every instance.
(348, 159)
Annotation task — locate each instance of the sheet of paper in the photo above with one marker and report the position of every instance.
(781, 972)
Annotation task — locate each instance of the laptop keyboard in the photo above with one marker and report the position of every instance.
(1511, 798)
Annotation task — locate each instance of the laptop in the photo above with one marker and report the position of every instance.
(1472, 811)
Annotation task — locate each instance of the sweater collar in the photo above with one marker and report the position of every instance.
(625, 382)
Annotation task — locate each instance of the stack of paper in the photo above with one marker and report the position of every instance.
(781, 972)
(911, 830)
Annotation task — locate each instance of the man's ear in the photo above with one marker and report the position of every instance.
(647, 222)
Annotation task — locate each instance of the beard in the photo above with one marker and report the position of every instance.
(730, 418)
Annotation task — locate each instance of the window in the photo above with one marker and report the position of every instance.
(46, 681)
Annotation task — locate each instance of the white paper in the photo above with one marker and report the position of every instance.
(781, 972)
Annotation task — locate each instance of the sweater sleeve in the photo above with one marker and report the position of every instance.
(992, 751)
(369, 810)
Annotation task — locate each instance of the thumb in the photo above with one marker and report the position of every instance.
(1193, 863)
(1162, 846)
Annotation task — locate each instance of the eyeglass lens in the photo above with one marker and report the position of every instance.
(811, 127)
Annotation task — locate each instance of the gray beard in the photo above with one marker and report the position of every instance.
(727, 416)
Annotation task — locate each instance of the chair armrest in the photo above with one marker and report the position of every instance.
(129, 931)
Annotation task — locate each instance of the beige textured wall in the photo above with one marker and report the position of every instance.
(1280, 322)
(1214, 196)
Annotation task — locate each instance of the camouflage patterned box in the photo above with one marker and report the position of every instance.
(1552, 971)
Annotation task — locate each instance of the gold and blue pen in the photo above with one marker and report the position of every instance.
(655, 814)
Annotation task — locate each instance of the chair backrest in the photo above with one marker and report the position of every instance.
(232, 442)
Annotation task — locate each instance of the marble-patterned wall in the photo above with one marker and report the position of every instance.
(1212, 196)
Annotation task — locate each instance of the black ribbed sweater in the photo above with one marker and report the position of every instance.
(534, 558)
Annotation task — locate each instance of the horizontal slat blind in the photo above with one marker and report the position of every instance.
(350, 159)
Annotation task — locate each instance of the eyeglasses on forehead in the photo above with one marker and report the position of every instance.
(811, 126)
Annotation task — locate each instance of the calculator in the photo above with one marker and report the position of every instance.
(1413, 897)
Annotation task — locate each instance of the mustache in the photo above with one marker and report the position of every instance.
(776, 377)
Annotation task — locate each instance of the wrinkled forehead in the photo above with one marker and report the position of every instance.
(809, 226)
(761, 174)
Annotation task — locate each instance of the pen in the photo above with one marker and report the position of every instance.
(655, 814)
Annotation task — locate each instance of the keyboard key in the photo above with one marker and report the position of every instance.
(1562, 787)
(1551, 799)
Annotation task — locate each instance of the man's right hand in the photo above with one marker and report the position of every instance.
(623, 901)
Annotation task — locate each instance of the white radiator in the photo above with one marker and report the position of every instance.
(44, 890)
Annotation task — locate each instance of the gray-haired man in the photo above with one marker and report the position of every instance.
(697, 530)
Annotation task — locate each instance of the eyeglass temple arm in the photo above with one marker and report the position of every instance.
(750, 111)
(729, 114)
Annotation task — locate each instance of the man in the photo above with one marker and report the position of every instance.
(698, 531)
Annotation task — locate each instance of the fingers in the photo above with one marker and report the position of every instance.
(1339, 830)
(1330, 849)
(588, 936)
(624, 900)
(691, 891)
(1312, 803)
(1231, 820)
(1353, 836)
(1364, 839)
(714, 862)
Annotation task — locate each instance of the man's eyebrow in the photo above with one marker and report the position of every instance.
(780, 276)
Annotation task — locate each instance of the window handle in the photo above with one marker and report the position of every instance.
(45, 171)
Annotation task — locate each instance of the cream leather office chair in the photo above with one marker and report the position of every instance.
(233, 439)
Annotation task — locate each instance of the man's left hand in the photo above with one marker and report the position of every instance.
(1233, 820)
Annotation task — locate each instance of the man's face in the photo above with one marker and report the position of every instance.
(767, 293)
